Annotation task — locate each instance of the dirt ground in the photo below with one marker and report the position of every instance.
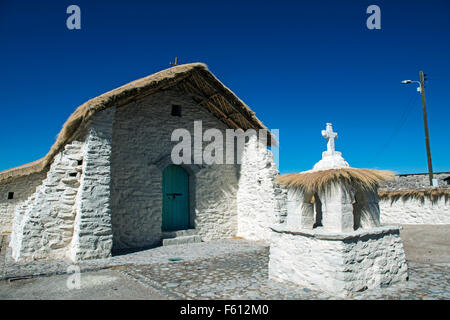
(426, 243)
(98, 285)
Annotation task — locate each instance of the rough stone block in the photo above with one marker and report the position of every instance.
(338, 263)
(182, 240)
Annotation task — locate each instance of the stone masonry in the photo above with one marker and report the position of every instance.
(44, 224)
(261, 201)
(337, 244)
(141, 149)
(415, 211)
(103, 191)
(92, 226)
(23, 188)
(416, 181)
(341, 263)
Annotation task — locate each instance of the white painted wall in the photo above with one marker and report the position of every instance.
(92, 236)
(261, 202)
(115, 199)
(343, 265)
(141, 150)
(68, 216)
(23, 188)
(43, 224)
(228, 200)
(415, 211)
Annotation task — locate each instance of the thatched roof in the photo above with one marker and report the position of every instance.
(421, 194)
(313, 181)
(195, 79)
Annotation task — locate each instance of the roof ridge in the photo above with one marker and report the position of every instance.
(121, 96)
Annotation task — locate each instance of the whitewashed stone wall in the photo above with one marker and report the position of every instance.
(141, 149)
(92, 227)
(261, 202)
(341, 264)
(68, 216)
(106, 189)
(415, 211)
(43, 224)
(23, 188)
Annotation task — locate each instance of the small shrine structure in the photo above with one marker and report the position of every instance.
(332, 239)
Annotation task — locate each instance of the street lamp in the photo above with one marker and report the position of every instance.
(411, 81)
(421, 90)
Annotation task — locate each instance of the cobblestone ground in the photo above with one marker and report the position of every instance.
(188, 252)
(231, 269)
(244, 276)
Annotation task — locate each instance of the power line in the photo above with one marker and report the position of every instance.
(403, 119)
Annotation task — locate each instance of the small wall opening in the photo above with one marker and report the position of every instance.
(10, 195)
(357, 207)
(317, 211)
(356, 217)
(176, 110)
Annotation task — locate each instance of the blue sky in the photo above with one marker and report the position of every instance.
(297, 64)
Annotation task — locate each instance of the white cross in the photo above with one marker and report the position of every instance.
(330, 136)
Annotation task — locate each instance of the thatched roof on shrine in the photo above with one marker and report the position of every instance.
(313, 181)
(194, 79)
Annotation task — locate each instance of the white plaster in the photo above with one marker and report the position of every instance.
(337, 207)
(415, 211)
(43, 224)
(115, 198)
(141, 149)
(23, 188)
(68, 215)
(92, 237)
(341, 264)
(345, 251)
(331, 159)
(261, 202)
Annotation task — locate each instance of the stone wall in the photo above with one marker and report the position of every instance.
(412, 210)
(105, 189)
(416, 181)
(23, 188)
(43, 224)
(415, 211)
(141, 150)
(92, 227)
(261, 202)
(341, 263)
(69, 215)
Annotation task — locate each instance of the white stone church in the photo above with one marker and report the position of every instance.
(108, 181)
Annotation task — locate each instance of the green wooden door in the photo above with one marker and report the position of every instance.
(175, 188)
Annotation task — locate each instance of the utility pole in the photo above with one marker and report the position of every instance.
(425, 124)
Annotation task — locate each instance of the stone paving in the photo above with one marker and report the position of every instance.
(244, 276)
(231, 269)
(188, 252)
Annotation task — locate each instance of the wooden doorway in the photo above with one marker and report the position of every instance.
(175, 189)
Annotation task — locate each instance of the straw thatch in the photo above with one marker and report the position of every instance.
(404, 194)
(194, 79)
(314, 181)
